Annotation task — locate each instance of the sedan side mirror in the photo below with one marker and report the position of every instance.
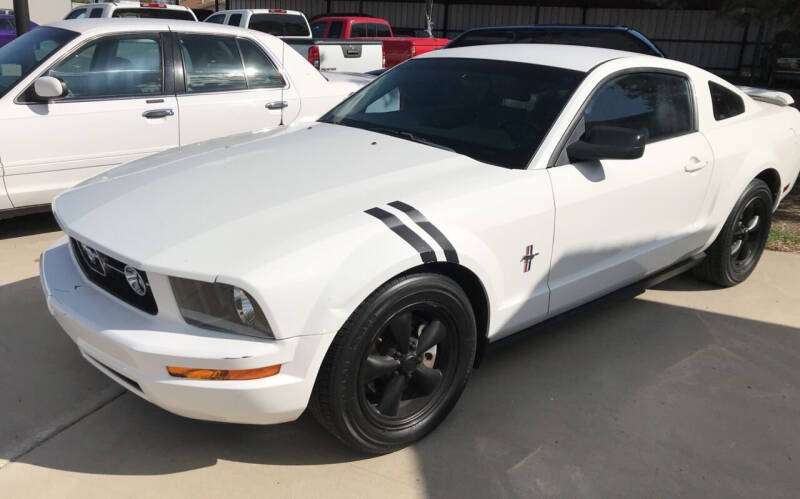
(49, 88)
(608, 142)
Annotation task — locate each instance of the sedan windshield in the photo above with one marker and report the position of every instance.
(497, 112)
(21, 56)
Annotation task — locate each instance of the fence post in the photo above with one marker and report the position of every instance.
(446, 14)
(742, 48)
(22, 17)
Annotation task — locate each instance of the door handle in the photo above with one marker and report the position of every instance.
(158, 113)
(278, 104)
(694, 165)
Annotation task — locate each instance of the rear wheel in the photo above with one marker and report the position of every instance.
(399, 364)
(738, 247)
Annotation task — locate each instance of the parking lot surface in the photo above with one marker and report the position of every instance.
(686, 390)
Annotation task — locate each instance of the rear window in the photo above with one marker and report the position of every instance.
(76, 14)
(216, 19)
(96, 13)
(6, 24)
(280, 24)
(335, 30)
(608, 39)
(726, 104)
(234, 20)
(318, 30)
(371, 30)
(159, 13)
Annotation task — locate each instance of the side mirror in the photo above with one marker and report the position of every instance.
(608, 142)
(48, 88)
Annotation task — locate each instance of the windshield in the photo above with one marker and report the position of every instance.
(21, 56)
(497, 112)
(280, 24)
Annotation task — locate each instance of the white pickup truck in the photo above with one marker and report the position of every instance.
(80, 96)
(343, 56)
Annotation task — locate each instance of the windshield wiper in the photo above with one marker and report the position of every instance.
(409, 136)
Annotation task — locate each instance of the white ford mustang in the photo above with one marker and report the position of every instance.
(361, 265)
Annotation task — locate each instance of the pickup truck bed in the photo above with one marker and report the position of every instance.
(349, 56)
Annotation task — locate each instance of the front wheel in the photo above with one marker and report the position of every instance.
(398, 365)
(738, 247)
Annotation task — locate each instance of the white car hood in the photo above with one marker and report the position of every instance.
(218, 206)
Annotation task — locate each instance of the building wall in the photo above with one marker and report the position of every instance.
(43, 11)
(700, 37)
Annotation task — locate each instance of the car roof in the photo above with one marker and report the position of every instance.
(136, 23)
(130, 4)
(574, 57)
(263, 11)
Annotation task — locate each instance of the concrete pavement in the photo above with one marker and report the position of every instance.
(686, 390)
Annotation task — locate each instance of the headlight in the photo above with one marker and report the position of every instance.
(221, 307)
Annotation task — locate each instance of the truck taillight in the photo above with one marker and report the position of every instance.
(313, 56)
(383, 56)
(413, 51)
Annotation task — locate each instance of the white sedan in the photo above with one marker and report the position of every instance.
(473, 193)
(80, 96)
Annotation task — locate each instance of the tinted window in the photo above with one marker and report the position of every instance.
(216, 19)
(318, 30)
(212, 64)
(76, 14)
(177, 14)
(261, 73)
(111, 67)
(726, 103)
(24, 54)
(96, 13)
(609, 39)
(335, 30)
(497, 112)
(370, 30)
(280, 24)
(660, 104)
(234, 20)
(7, 24)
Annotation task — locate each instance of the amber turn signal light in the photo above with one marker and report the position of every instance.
(223, 374)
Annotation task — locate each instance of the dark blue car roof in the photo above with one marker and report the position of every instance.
(565, 28)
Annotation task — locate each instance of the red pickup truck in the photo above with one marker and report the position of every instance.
(396, 49)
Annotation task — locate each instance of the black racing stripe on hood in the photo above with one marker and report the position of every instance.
(425, 251)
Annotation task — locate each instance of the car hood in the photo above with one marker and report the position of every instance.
(216, 206)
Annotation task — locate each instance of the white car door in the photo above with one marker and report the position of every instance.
(117, 109)
(232, 86)
(620, 220)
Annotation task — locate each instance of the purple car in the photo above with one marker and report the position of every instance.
(8, 29)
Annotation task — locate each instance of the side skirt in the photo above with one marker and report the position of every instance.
(627, 292)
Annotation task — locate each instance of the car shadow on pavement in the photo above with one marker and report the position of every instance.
(634, 397)
(28, 225)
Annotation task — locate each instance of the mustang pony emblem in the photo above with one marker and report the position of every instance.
(528, 258)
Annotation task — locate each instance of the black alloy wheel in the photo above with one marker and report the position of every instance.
(735, 253)
(398, 365)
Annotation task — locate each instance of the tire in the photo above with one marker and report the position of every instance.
(728, 261)
(374, 396)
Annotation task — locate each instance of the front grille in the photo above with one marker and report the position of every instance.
(109, 274)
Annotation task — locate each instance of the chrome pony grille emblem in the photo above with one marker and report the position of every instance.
(135, 280)
(95, 261)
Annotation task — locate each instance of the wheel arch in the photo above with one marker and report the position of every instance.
(772, 178)
(475, 290)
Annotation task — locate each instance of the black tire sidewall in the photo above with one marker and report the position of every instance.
(756, 189)
(359, 430)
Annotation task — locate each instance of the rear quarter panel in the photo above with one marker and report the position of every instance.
(765, 137)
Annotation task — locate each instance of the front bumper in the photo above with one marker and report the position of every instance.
(134, 348)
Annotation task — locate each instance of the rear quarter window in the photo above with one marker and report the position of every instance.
(726, 104)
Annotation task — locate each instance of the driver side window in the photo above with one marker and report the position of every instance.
(659, 104)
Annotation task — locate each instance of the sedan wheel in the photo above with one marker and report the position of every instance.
(398, 365)
(738, 248)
